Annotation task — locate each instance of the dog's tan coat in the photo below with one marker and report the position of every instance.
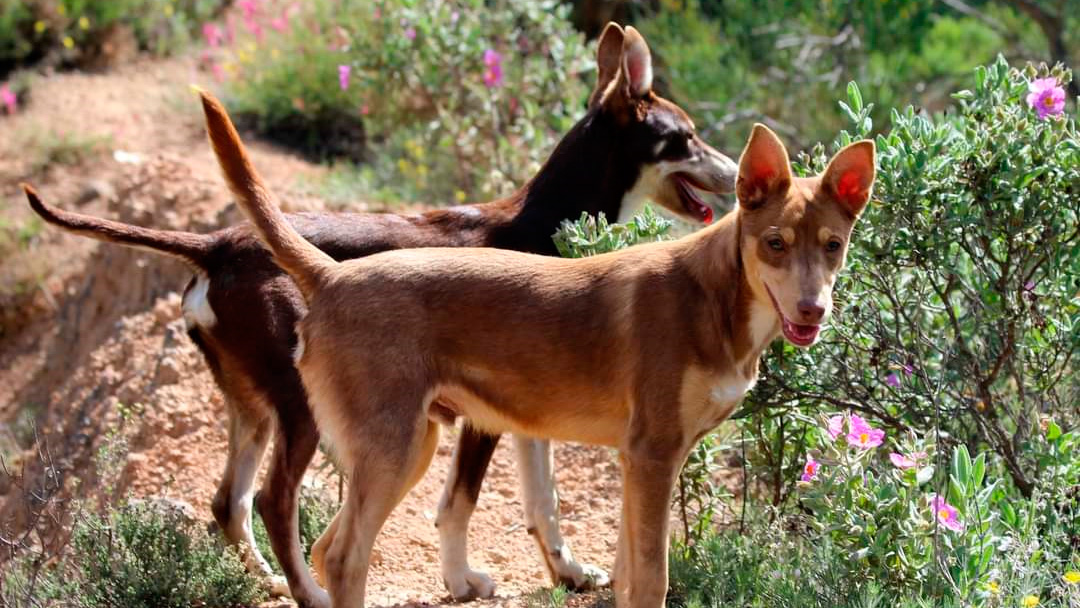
(644, 349)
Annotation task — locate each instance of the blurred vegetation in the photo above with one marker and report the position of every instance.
(444, 102)
(95, 33)
(733, 63)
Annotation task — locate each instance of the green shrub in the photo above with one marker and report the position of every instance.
(959, 311)
(733, 63)
(143, 555)
(315, 513)
(457, 101)
(78, 31)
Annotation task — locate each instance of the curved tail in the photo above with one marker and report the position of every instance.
(305, 263)
(188, 246)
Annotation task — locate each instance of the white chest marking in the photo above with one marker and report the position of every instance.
(196, 306)
(731, 389)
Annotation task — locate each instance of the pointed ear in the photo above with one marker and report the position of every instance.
(850, 175)
(764, 168)
(637, 74)
(608, 60)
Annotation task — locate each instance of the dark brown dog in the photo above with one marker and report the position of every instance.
(241, 308)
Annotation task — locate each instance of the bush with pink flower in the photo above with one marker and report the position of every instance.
(457, 100)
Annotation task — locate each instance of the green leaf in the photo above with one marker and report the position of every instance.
(1053, 431)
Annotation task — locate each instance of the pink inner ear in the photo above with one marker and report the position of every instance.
(762, 174)
(849, 187)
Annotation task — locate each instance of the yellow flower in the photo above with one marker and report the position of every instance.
(68, 42)
(1030, 601)
(168, 10)
(459, 196)
(1072, 577)
(993, 588)
(61, 10)
(403, 165)
(84, 23)
(274, 53)
(39, 26)
(421, 171)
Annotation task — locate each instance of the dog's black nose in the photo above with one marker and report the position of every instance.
(811, 312)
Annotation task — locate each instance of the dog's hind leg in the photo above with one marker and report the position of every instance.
(295, 445)
(383, 471)
(536, 466)
(471, 458)
(232, 502)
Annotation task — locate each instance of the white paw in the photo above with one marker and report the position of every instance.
(278, 586)
(583, 577)
(469, 585)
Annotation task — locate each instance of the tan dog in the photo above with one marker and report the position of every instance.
(645, 349)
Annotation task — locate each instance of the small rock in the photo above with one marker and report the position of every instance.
(168, 371)
(95, 189)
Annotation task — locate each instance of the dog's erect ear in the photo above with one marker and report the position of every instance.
(609, 54)
(636, 64)
(850, 175)
(764, 168)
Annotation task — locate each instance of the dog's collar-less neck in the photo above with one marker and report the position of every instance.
(589, 171)
(717, 252)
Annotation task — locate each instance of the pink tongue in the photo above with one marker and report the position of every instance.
(801, 332)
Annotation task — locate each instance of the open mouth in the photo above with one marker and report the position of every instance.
(693, 204)
(799, 335)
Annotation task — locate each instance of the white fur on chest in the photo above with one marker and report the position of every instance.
(731, 389)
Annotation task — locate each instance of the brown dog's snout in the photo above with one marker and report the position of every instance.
(811, 312)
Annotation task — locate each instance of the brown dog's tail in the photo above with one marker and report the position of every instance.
(188, 246)
(305, 263)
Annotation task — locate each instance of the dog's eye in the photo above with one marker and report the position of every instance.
(776, 244)
(833, 246)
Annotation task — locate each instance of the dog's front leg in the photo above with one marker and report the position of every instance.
(536, 466)
(650, 467)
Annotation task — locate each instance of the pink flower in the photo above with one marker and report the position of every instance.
(249, 7)
(212, 34)
(343, 76)
(281, 23)
(493, 74)
(908, 369)
(1047, 97)
(9, 99)
(893, 380)
(810, 469)
(365, 110)
(836, 426)
(901, 462)
(862, 435)
(410, 33)
(219, 72)
(946, 514)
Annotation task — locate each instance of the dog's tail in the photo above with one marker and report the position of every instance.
(305, 263)
(188, 246)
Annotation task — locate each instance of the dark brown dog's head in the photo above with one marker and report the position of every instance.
(794, 231)
(674, 163)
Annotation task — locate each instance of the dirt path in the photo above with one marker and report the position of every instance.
(88, 328)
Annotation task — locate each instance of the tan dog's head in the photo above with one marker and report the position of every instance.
(656, 135)
(794, 231)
